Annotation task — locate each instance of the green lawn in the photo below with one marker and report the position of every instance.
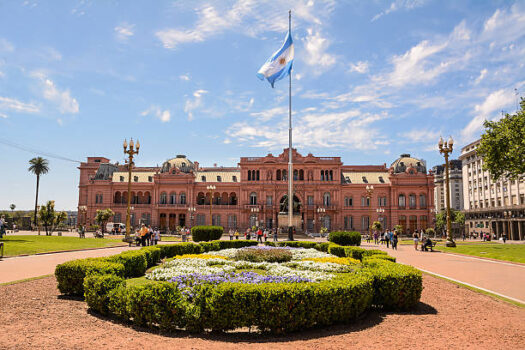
(508, 252)
(19, 245)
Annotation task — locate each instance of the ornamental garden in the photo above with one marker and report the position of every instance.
(227, 285)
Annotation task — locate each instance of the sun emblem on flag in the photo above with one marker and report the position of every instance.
(282, 60)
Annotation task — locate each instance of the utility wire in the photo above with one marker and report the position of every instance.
(36, 151)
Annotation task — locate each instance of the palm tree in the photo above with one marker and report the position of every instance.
(39, 166)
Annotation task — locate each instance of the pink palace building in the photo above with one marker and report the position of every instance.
(327, 193)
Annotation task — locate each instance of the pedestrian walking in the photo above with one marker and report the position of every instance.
(143, 232)
(275, 234)
(387, 239)
(231, 234)
(237, 234)
(376, 237)
(2, 226)
(394, 240)
(504, 238)
(259, 235)
(416, 240)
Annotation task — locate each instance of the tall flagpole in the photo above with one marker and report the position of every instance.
(290, 166)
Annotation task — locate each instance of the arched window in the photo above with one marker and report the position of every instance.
(322, 175)
(163, 198)
(183, 198)
(216, 198)
(296, 175)
(422, 201)
(233, 198)
(278, 177)
(147, 197)
(401, 201)
(200, 198)
(173, 198)
(118, 198)
(326, 199)
(331, 175)
(258, 175)
(249, 175)
(224, 198)
(133, 198)
(301, 175)
(285, 175)
(412, 201)
(348, 201)
(253, 198)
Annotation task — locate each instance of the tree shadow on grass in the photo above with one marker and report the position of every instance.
(370, 319)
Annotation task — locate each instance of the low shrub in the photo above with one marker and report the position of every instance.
(345, 238)
(236, 244)
(297, 244)
(370, 252)
(336, 250)
(379, 257)
(396, 286)
(209, 246)
(260, 255)
(96, 289)
(323, 247)
(134, 261)
(206, 233)
(270, 244)
(70, 275)
(170, 250)
(354, 252)
(152, 255)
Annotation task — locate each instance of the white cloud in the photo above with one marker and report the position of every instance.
(163, 115)
(270, 113)
(4, 116)
(400, 5)
(185, 77)
(491, 106)
(194, 103)
(359, 67)
(505, 25)
(61, 98)
(420, 135)
(481, 76)
(7, 103)
(316, 46)
(124, 31)
(6, 46)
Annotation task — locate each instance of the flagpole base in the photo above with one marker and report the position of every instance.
(290, 233)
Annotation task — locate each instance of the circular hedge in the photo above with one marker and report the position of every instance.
(345, 238)
(206, 233)
(228, 302)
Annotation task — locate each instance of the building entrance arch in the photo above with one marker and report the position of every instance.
(283, 204)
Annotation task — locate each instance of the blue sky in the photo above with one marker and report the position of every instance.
(371, 80)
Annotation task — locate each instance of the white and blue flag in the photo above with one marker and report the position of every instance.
(279, 64)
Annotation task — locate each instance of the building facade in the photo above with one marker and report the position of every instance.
(494, 207)
(327, 193)
(455, 186)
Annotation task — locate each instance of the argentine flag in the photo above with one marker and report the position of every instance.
(279, 64)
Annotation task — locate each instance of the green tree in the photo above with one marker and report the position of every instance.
(377, 226)
(399, 229)
(455, 215)
(502, 145)
(38, 166)
(50, 218)
(102, 216)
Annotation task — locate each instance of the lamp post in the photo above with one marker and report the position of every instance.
(83, 212)
(191, 211)
(130, 150)
(369, 192)
(446, 148)
(211, 188)
(255, 211)
(380, 212)
(320, 212)
(490, 225)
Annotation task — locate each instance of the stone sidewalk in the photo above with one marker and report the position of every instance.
(498, 277)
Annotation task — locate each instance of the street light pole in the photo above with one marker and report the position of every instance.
(130, 151)
(211, 188)
(369, 192)
(446, 148)
(255, 211)
(320, 213)
(192, 210)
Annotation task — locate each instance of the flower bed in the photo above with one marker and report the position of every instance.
(224, 289)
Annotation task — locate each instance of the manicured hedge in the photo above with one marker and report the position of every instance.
(369, 252)
(152, 255)
(396, 286)
(134, 261)
(97, 288)
(70, 275)
(170, 250)
(235, 244)
(379, 257)
(345, 238)
(232, 305)
(206, 233)
(210, 246)
(297, 244)
(323, 246)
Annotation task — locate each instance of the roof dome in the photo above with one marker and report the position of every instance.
(401, 164)
(180, 162)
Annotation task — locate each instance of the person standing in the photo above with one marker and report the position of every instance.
(259, 235)
(236, 234)
(394, 240)
(275, 234)
(143, 232)
(387, 238)
(416, 240)
(2, 226)
(231, 234)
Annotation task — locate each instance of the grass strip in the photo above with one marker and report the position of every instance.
(25, 280)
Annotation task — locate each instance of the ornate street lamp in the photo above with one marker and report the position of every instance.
(321, 212)
(192, 211)
(83, 213)
(369, 192)
(211, 188)
(380, 212)
(255, 211)
(446, 148)
(132, 150)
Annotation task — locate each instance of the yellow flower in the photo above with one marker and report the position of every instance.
(199, 256)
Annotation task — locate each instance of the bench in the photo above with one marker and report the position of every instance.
(424, 248)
